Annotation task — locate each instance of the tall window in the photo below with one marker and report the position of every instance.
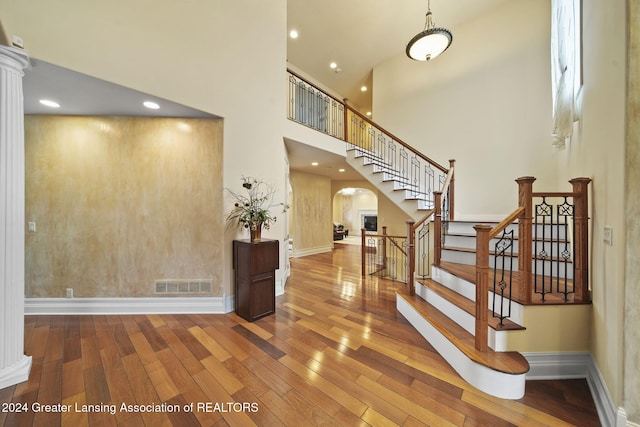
(566, 70)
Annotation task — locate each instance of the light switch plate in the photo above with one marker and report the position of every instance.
(608, 235)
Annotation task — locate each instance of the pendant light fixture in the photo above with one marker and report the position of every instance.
(431, 42)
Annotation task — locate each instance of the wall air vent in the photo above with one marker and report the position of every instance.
(186, 286)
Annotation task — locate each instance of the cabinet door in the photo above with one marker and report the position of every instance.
(262, 296)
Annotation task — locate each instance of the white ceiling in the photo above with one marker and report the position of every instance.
(356, 34)
(79, 94)
(359, 34)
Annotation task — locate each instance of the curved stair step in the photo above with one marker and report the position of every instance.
(500, 374)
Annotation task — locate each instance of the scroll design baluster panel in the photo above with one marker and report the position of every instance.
(554, 245)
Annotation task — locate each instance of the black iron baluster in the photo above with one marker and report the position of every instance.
(503, 276)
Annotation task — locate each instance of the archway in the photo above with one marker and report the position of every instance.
(353, 210)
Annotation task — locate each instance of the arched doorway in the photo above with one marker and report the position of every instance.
(353, 210)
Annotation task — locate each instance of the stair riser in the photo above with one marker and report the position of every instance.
(468, 290)
(497, 339)
(469, 242)
(539, 231)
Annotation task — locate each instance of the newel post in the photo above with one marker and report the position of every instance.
(452, 187)
(437, 228)
(525, 244)
(581, 255)
(482, 285)
(411, 256)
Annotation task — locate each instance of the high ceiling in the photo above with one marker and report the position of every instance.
(359, 34)
(355, 34)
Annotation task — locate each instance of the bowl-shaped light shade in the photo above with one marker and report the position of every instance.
(429, 44)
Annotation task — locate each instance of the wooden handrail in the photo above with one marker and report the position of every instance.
(554, 194)
(395, 138)
(506, 222)
(424, 218)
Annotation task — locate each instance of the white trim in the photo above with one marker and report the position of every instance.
(577, 365)
(498, 384)
(142, 305)
(311, 251)
(16, 373)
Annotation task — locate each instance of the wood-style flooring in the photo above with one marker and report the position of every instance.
(335, 353)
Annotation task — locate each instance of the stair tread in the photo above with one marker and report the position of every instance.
(509, 362)
(469, 306)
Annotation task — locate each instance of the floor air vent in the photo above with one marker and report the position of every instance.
(183, 286)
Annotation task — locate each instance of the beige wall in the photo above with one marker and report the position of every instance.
(632, 200)
(120, 202)
(598, 151)
(311, 212)
(193, 53)
(485, 102)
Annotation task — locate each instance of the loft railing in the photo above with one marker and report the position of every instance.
(384, 255)
(313, 107)
(553, 238)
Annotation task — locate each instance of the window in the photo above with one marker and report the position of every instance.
(566, 67)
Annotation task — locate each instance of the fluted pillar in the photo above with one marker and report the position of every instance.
(14, 365)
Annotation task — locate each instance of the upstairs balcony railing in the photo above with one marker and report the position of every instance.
(314, 108)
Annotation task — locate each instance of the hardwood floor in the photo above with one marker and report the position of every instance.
(335, 353)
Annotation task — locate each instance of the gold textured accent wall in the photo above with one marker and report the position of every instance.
(311, 211)
(120, 202)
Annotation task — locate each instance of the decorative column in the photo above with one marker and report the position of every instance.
(14, 365)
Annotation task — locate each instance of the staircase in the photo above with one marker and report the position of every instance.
(477, 292)
(442, 306)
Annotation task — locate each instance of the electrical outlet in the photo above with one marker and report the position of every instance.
(69, 292)
(18, 42)
(32, 227)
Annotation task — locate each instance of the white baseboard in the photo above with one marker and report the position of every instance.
(142, 305)
(16, 373)
(577, 365)
(311, 251)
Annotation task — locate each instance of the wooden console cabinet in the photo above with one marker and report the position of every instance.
(255, 277)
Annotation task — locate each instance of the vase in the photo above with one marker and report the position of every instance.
(255, 233)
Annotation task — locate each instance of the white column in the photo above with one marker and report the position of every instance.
(14, 365)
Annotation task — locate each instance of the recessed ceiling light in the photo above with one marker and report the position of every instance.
(151, 105)
(333, 65)
(341, 170)
(314, 164)
(49, 103)
(363, 88)
(293, 34)
(368, 113)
